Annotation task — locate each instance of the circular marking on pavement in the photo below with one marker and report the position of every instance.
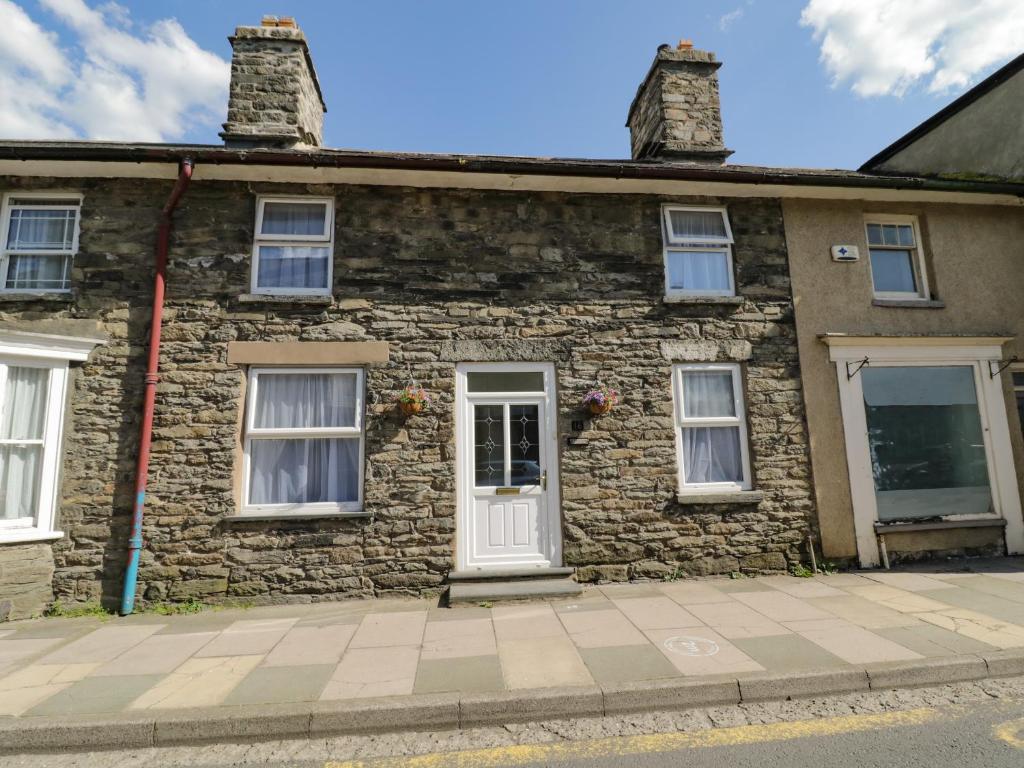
(686, 645)
(1012, 732)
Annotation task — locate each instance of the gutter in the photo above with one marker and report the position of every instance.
(537, 166)
(152, 377)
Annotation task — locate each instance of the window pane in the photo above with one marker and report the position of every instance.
(906, 235)
(708, 393)
(926, 442)
(698, 271)
(38, 273)
(712, 455)
(1018, 379)
(697, 226)
(294, 219)
(893, 271)
(24, 407)
(20, 468)
(524, 438)
(874, 234)
(41, 230)
(304, 471)
(489, 444)
(505, 381)
(291, 266)
(300, 400)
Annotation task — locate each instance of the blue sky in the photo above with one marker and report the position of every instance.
(529, 77)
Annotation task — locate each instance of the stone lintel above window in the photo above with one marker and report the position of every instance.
(729, 497)
(307, 352)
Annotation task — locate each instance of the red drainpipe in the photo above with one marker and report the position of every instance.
(152, 376)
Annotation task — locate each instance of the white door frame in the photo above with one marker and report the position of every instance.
(991, 406)
(552, 508)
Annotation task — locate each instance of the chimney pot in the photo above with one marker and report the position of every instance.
(684, 45)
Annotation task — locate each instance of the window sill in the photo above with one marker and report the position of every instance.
(312, 515)
(51, 297)
(28, 535)
(909, 303)
(721, 497)
(724, 300)
(319, 300)
(939, 525)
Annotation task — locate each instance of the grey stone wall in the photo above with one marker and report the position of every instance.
(443, 276)
(273, 97)
(676, 113)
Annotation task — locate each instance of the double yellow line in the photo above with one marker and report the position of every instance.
(528, 754)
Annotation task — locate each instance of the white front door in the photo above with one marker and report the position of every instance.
(508, 510)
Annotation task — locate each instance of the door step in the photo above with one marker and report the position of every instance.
(517, 584)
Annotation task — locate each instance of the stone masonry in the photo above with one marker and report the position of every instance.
(676, 114)
(443, 276)
(274, 97)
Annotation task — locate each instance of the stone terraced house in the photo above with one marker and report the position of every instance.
(307, 288)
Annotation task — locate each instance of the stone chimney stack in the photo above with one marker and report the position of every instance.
(676, 114)
(274, 98)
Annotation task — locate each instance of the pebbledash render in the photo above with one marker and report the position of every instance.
(307, 288)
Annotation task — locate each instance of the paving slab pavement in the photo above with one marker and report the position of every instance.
(386, 656)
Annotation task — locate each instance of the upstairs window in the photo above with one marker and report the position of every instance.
(897, 268)
(698, 252)
(40, 239)
(294, 246)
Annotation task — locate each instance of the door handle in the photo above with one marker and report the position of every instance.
(544, 480)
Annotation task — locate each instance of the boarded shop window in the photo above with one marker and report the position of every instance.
(293, 250)
(711, 427)
(304, 441)
(40, 239)
(698, 252)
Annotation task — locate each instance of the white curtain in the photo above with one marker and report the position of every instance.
(293, 219)
(712, 455)
(41, 230)
(293, 266)
(300, 400)
(301, 471)
(698, 270)
(697, 225)
(24, 413)
(34, 271)
(708, 394)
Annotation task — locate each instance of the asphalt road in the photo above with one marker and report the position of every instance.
(969, 724)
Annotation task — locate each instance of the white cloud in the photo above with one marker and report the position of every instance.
(115, 83)
(728, 19)
(884, 47)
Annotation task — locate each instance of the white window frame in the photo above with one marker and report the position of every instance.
(74, 200)
(923, 292)
(316, 509)
(980, 354)
(40, 350)
(325, 240)
(739, 420)
(680, 243)
(1018, 389)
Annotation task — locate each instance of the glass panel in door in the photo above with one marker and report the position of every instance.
(488, 445)
(524, 444)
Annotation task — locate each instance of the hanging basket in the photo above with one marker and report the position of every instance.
(600, 400)
(410, 407)
(599, 409)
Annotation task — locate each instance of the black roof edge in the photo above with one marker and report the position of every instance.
(998, 77)
(533, 166)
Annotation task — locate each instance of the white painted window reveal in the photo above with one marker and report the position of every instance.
(897, 261)
(40, 240)
(304, 447)
(293, 251)
(711, 429)
(698, 251)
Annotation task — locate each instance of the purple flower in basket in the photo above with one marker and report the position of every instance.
(601, 396)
